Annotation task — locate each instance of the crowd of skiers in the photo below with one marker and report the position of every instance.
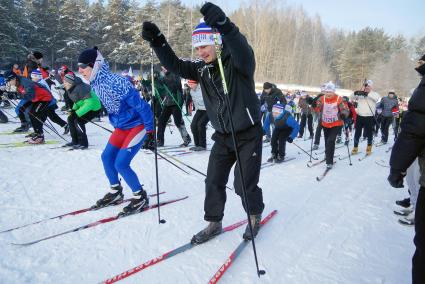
(241, 119)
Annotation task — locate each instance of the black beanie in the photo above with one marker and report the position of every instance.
(70, 78)
(88, 56)
(37, 54)
(267, 85)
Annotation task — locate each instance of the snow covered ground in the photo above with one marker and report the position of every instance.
(340, 230)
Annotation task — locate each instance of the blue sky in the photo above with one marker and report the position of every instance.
(394, 16)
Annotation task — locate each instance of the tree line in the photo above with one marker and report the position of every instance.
(290, 46)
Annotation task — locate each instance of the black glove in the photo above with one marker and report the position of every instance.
(396, 178)
(215, 17)
(151, 33)
(310, 100)
(360, 93)
(149, 143)
(289, 139)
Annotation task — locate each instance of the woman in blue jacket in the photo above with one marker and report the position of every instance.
(132, 119)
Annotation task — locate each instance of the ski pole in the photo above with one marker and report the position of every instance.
(43, 123)
(160, 221)
(165, 159)
(311, 157)
(235, 145)
(348, 148)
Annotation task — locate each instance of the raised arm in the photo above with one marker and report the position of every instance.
(167, 57)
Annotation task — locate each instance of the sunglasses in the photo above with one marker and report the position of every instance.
(84, 66)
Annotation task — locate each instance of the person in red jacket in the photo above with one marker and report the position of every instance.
(333, 111)
(39, 98)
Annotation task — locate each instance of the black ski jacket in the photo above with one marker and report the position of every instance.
(272, 98)
(411, 141)
(239, 66)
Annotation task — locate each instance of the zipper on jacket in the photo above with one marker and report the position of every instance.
(250, 117)
(221, 104)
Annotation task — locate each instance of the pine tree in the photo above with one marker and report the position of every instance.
(74, 30)
(96, 23)
(11, 46)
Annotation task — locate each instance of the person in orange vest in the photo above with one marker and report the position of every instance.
(333, 111)
(34, 61)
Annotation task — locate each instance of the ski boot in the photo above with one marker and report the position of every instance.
(113, 197)
(355, 150)
(255, 223)
(37, 139)
(329, 166)
(272, 158)
(139, 202)
(369, 150)
(279, 159)
(186, 141)
(31, 135)
(23, 128)
(213, 229)
(338, 140)
(266, 140)
(404, 202)
(315, 147)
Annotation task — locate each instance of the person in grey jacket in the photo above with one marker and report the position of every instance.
(387, 104)
(200, 120)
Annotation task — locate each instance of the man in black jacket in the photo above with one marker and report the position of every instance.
(239, 66)
(170, 90)
(271, 95)
(409, 145)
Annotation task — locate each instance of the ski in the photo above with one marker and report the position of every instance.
(99, 222)
(310, 165)
(229, 261)
(25, 143)
(323, 152)
(364, 157)
(346, 156)
(322, 176)
(380, 144)
(13, 133)
(402, 212)
(166, 255)
(73, 213)
(382, 163)
(271, 164)
(406, 222)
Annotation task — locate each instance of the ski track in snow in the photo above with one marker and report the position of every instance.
(341, 230)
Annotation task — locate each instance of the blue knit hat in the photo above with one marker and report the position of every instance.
(278, 108)
(36, 74)
(203, 35)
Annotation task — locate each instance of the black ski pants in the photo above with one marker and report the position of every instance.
(366, 124)
(418, 260)
(38, 115)
(51, 113)
(278, 141)
(221, 160)
(77, 127)
(163, 119)
(385, 126)
(330, 138)
(318, 133)
(199, 128)
(22, 110)
(306, 118)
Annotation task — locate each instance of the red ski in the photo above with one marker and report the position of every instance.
(166, 255)
(237, 252)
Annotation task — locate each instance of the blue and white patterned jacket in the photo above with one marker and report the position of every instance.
(122, 101)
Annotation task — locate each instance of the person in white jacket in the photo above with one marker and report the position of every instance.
(200, 120)
(366, 107)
